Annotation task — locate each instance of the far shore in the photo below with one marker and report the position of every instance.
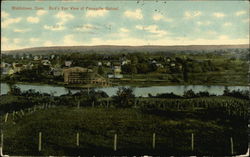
(135, 84)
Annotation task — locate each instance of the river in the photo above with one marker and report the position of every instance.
(138, 91)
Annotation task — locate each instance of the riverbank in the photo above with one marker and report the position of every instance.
(128, 84)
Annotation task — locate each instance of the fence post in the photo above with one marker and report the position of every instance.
(1, 151)
(78, 104)
(115, 142)
(232, 146)
(153, 144)
(192, 142)
(13, 114)
(40, 142)
(6, 117)
(22, 112)
(77, 139)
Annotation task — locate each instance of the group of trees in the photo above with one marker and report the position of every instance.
(237, 93)
(176, 65)
(124, 98)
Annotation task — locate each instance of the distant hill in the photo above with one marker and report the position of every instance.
(122, 49)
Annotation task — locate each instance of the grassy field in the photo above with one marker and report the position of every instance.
(134, 129)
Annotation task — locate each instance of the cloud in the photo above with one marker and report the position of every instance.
(219, 15)
(9, 21)
(13, 45)
(4, 14)
(96, 13)
(239, 13)
(34, 40)
(203, 23)
(54, 27)
(4, 39)
(211, 32)
(86, 27)
(33, 19)
(70, 40)
(21, 30)
(158, 17)
(63, 17)
(41, 12)
(152, 29)
(16, 40)
(124, 30)
(192, 14)
(137, 14)
(48, 43)
(227, 24)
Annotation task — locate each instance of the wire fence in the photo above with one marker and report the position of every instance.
(153, 143)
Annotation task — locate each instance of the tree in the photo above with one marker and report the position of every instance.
(189, 94)
(100, 70)
(185, 72)
(124, 97)
(226, 91)
(14, 90)
(143, 68)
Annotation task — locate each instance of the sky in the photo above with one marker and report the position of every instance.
(61, 23)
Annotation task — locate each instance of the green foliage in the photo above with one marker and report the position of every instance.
(189, 94)
(124, 97)
(134, 129)
(100, 70)
(14, 90)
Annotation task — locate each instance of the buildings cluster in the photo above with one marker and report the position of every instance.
(70, 73)
(75, 74)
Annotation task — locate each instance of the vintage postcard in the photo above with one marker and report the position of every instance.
(124, 78)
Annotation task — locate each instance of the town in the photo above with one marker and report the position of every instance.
(138, 69)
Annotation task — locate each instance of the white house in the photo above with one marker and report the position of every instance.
(68, 63)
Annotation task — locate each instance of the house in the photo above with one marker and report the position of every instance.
(99, 63)
(179, 66)
(7, 71)
(77, 75)
(28, 66)
(17, 67)
(168, 59)
(159, 65)
(108, 64)
(116, 71)
(52, 56)
(68, 63)
(98, 79)
(46, 62)
(154, 62)
(36, 58)
(80, 75)
(11, 71)
(57, 72)
(5, 65)
(172, 64)
(127, 61)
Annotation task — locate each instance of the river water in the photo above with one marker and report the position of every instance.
(138, 91)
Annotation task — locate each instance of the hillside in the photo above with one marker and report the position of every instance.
(122, 49)
(134, 129)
